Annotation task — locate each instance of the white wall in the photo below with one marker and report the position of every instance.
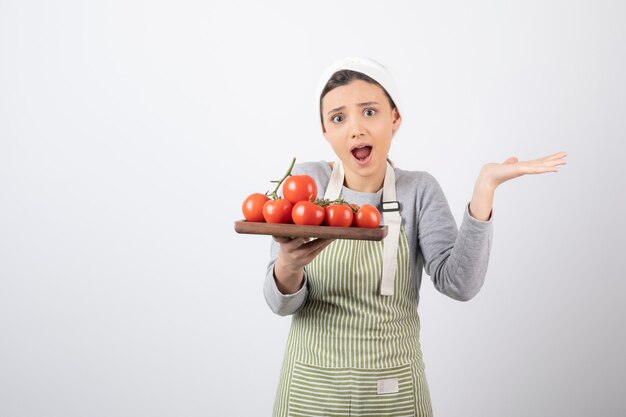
(130, 133)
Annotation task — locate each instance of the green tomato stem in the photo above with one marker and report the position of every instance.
(273, 194)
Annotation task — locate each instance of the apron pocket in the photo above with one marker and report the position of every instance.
(383, 392)
(321, 391)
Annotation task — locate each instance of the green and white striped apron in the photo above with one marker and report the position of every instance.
(352, 351)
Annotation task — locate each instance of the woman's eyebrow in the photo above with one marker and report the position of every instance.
(367, 103)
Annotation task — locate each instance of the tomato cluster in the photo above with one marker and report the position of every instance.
(301, 206)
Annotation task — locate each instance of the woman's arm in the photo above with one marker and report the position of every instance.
(493, 174)
(285, 282)
(457, 259)
(280, 300)
(294, 255)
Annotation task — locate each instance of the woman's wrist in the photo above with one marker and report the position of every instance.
(482, 200)
(288, 280)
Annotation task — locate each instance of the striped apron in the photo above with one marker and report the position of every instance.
(352, 351)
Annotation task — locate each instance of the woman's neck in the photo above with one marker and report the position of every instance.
(365, 184)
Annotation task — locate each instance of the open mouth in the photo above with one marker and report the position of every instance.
(362, 154)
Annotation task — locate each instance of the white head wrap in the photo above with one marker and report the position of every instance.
(367, 66)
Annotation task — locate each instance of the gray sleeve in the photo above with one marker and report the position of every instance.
(455, 259)
(279, 303)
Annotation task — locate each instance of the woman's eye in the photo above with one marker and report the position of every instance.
(338, 118)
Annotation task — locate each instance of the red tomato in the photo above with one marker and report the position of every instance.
(339, 215)
(367, 216)
(252, 207)
(299, 188)
(307, 213)
(277, 211)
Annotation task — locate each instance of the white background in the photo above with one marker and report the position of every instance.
(131, 131)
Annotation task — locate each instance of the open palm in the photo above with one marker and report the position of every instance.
(496, 173)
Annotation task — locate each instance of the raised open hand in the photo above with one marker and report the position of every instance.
(495, 174)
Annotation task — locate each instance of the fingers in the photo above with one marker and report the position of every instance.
(318, 250)
(283, 239)
(554, 156)
(558, 155)
(292, 243)
(300, 251)
(545, 164)
(313, 245)
(555, 160)
(315, 248)
(317, 244)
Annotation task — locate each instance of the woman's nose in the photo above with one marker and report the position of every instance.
(357, 129)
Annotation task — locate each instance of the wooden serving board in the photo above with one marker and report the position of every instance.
(294, 230)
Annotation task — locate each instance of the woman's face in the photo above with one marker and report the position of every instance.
(358, 115)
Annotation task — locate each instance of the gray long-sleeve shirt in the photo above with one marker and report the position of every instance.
(456, 259)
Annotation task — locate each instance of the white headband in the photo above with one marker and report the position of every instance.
(373, 69)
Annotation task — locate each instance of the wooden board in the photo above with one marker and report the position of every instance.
(294, 230)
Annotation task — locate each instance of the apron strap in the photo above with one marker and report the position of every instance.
(391, 216)
(333, 190)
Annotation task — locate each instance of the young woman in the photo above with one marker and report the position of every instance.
(353, 347)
